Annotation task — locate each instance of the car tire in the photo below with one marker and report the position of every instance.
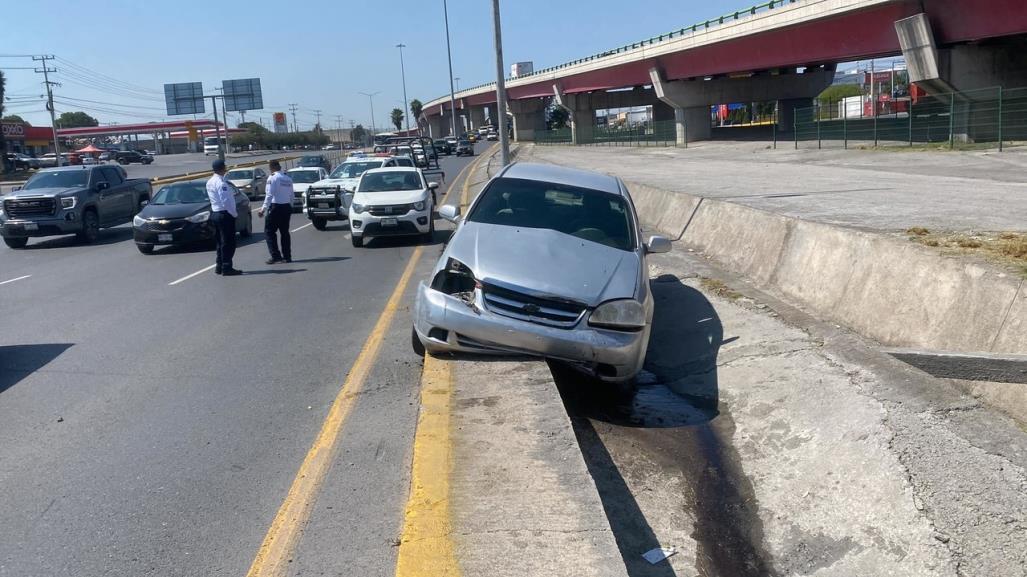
(358, 241)
(16, 241)
(415, 343)
(90, 227)
(145, 248)
(319, 223)
(247, 230)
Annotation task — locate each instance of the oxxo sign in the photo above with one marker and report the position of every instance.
(13, 130)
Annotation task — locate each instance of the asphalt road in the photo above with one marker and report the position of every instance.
(154, 428)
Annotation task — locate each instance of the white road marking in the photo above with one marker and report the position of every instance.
(301, 228)
(14, 279)
(347, 235)
(187, 277)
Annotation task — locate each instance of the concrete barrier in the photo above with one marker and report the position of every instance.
(887, 288)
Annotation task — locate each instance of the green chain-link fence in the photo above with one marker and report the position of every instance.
(979, 118)
(659, 133)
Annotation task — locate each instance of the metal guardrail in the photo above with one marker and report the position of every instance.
(673, 34)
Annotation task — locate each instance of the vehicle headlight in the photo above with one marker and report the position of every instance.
(201, 217)
(624, 315)
(68, 202)
(138, 221)
(245, 186)
(357, 208)
(419, 206)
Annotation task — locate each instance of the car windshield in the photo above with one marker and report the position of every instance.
(354, 169)
(305, 176)
(58, 179)
(579, 212)
(182, 193)
(239, 175)
(465, 143)
(310, 160)
(389, 181)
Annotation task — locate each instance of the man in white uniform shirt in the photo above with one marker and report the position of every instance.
(278, 194)
(222, 215)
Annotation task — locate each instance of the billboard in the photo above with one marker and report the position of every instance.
(521, 69)
(280, 124)
(243, 94)
(184, 98)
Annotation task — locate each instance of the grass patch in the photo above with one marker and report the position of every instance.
(717, 287)
(918, 231)
(1005, 248)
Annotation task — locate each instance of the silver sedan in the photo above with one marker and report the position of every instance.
(548, 262)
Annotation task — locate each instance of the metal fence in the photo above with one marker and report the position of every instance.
(972, 119)
(658, 133)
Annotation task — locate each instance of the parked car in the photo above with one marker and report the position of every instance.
(329, 199)
(106, 155)
(22, 161)
(392, 201)
(464, 148)
(251, 181)
(302, 178)
(71, 200)
(180, 215)
(315, 160)
(132, 156)
(88, 159)
(548, 262)
(48, 160)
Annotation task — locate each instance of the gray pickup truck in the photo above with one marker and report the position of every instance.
(71, 200)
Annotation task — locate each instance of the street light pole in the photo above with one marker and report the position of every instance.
(504, 140)
(370, 96)
(449, 56)
(403, 71)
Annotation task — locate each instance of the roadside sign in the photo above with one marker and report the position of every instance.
(184, 98)
(280, 123)
(243, 94)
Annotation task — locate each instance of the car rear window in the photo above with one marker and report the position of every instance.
(583, 213)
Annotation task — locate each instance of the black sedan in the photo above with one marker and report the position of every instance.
(313, 161)
(180, 214)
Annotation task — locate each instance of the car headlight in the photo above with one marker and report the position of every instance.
(419, 206)
(357, 208)
(624, 315)
(247, 186)
(201, 217)
(68, 202)
(138, 221)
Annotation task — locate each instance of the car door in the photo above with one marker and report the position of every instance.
(242, 208)
(108, 203)
(259, 182)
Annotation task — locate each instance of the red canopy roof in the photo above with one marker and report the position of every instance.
(90, 149)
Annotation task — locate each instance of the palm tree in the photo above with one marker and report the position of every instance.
(397, 118)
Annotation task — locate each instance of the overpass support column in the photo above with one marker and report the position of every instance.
(435, 126)
(582, 115)
(691, 122)
(477, 117)
(786, 112)
(528, 116)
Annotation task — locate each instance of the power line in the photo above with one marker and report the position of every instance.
(292, 108)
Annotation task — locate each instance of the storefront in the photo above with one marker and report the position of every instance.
(30, 140)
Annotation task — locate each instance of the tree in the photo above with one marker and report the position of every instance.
(397, 118)
(76, 119)
(358, 134)
(836, 92)
(416, 108)
(14, 118)
(558, 117)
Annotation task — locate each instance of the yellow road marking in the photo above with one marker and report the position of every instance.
(426, 547)
(282, 536)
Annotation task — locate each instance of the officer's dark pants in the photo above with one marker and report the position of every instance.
(277, 220)
(224, 227)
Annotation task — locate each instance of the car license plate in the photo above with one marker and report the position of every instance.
(164, 237)
(322, 205)
(389, 222)
(30, 226)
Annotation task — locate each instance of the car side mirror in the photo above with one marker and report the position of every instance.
(103, 185)
(144, 202)
(657, 244)
(16, 189)
(433, 185)
(450, 212)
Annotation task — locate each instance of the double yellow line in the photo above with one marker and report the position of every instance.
(282, 536)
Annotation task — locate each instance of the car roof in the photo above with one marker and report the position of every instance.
(563, 175)
(305, 169)
(392, 169)
(68, 168)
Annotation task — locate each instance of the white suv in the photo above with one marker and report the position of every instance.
(392, 202)
(329, 199)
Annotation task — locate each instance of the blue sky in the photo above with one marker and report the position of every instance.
(319, 54)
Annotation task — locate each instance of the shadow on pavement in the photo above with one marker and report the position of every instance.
(107, 236)
(273, 271)
(440, 237)
(320, 259)
(20, 361)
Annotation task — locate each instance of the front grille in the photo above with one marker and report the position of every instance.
(164, 224)
(30, 207)
(391, 210)
(544, 311)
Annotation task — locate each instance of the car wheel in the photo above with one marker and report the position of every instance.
(415, 343)
(145, 248)
(247, 230)
(358, 241)
(16, 241)
(319, 223)
(90, 227)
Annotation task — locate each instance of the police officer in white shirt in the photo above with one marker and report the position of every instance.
(222, 215)
(278, 195)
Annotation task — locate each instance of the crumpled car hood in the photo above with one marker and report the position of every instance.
(546, 263)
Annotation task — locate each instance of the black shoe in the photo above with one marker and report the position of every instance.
(273, 260)
(217, 271)
(231, 272)
(287, 260)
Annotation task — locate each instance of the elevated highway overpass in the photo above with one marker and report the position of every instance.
(783, 51)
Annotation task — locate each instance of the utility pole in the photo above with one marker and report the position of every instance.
(403, 71)
(217, 126)
(318, 114)
(449, 57)
(292, 108)
(370, 96)
(49, 99)
(338, 126)
(504, 139)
